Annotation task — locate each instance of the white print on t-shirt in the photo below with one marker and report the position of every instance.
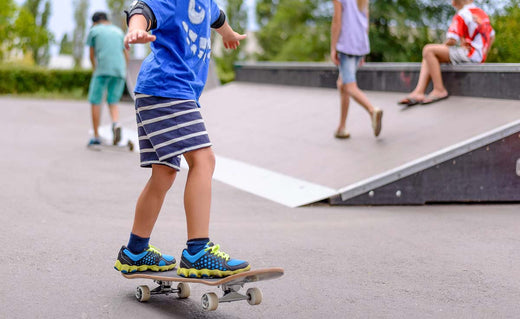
(196, 15)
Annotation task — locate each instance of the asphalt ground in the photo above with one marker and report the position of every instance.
(66, 211)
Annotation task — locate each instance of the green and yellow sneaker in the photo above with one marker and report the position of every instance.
(150, 259)
(210, 262)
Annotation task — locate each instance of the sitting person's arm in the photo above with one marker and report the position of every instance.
(450, 42)
(491, 40)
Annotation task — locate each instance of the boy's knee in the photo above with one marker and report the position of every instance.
(163, 176)
(427, 49)
(201, 158)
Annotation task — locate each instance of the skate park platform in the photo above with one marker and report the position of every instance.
(464, 149)
(67, 210)
(289, 130)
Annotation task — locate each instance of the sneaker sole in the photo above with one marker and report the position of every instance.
(379, 117)
(209, 273)
(124, 268)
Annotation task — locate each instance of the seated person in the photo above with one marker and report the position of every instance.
(471, 29)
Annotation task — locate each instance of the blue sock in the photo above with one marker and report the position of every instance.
(136, 244)
(197, 244)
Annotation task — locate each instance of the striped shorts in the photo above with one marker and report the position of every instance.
(168, 128)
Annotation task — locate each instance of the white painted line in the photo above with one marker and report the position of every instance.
(283, 189)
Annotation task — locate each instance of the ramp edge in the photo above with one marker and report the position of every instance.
(430, 160)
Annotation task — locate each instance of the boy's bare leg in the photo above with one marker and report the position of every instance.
(422, 83)
(96, 118)
(151, 199)
(114, 112)
(197, 193)
(116, 128)
(433, 55)
(344, 105)
(359, 96)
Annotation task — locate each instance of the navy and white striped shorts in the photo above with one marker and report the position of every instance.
(168, 128)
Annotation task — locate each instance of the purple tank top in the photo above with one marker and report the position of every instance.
(353, 38)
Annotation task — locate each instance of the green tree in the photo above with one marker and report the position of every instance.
(35, 36)
(507, 26)
(7, 18)
(117, 8)
(299, 30)
(399, 29)
(237, 17)
(66, 45)
(79, 35)
(294, 30)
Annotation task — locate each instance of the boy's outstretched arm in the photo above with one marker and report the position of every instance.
(137, 31)
(230, 38)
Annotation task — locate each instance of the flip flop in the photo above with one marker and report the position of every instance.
(433, 99)
(409, 101)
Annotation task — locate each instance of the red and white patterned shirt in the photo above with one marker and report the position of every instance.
(472, 28)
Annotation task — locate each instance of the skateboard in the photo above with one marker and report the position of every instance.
(129, 146)
(230, 285)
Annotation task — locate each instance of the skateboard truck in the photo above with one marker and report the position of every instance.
(230, 286)
(143, 293)
(209, 300)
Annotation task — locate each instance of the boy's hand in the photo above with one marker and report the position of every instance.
(138, 36)
(232, 39)
(334, 56)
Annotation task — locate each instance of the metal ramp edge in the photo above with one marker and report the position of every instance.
(407, 184)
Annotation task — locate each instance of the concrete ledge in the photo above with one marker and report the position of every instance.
(491, 80)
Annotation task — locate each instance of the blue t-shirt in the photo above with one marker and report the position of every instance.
(178, 65)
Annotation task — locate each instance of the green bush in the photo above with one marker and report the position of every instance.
(32, 80)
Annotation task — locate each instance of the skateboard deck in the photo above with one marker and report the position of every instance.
(230, 285)
(129, 146)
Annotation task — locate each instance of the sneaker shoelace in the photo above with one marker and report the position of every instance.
(215, 250)
(154, 250)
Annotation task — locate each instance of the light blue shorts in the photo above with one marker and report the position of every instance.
(348, 66)
(111, 85)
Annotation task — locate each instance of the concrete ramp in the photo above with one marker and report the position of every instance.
(289, 131)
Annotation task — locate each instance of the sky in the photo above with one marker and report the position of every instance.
(62, 17)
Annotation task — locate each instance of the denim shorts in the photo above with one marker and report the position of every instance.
(348, 65)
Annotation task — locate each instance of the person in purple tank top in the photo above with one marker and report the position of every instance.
(349, 44)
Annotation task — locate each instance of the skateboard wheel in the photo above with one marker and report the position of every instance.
(254, 296)
(183, 290)
(209, 301)
(143, 293)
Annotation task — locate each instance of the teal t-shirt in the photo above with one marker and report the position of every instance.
(108, 43)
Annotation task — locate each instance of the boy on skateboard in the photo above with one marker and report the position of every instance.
(169, 125)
